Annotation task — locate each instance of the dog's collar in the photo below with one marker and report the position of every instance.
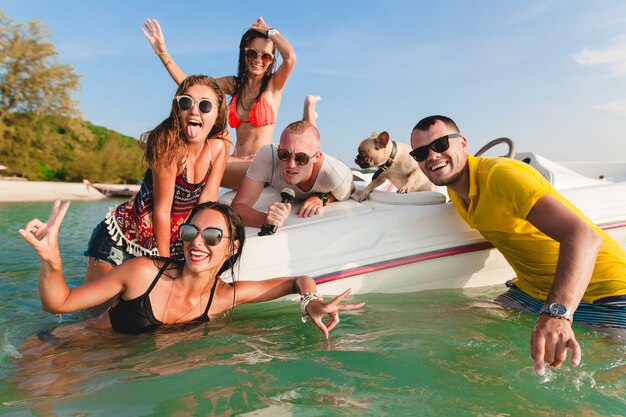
(384, 167)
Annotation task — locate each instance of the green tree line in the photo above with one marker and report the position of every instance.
(42, 133)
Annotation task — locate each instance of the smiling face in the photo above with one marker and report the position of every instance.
(304, 142)
(447, 167)
(197, 125)
(257, 66)
(199, 256)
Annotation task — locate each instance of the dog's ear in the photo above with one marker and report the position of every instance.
(382, 140)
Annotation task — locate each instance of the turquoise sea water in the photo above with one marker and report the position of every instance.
(432, 353)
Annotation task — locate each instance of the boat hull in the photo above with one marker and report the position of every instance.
(382, 247)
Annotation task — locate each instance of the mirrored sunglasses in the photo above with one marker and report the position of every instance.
(212, 236)
(285, 155)
(186, 102)
(438, 145)
(253, 54)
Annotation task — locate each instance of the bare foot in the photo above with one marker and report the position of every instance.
(310, 115)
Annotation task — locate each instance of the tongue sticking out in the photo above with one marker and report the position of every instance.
(193, 131)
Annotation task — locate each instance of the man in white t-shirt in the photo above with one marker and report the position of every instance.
(297, 163)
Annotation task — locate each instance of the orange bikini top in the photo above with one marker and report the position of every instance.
(261, 113)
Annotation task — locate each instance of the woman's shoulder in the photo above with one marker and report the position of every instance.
(221, 142)
(227, 84)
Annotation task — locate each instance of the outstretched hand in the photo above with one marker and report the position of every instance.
(316, 309)
(44, 237)
(152, 31)
(550, 341)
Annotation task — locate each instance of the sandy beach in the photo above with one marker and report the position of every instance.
(12, 191)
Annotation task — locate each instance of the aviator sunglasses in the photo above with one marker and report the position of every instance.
(285, 155)
(438, 145)
(212, 236)
(185, 103)
(253, 54)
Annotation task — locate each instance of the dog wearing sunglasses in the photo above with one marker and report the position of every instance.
(394, 164)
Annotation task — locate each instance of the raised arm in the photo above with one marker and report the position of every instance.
(315, 306)
(286, 52)
(579, 247)
(56, 296)
(152, 31)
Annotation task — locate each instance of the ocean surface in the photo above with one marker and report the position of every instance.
(431, 353)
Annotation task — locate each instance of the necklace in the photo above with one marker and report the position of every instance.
(188, 311)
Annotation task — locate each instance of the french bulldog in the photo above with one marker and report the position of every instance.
(396, 166)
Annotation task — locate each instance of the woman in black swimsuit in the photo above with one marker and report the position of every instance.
(156, 292)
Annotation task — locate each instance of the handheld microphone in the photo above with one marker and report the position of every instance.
(286, 195)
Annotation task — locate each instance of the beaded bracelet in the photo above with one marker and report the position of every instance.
(305, 299)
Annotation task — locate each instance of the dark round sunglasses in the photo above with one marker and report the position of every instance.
(212, 236)
(253, 54)
(438, 145)
(186, 102)
(285, 155)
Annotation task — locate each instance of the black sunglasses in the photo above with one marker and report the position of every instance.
(186, 102)
(438, 145)
(285, 155)
(212, 236)
(253, 54)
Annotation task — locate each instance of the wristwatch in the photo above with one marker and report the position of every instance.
(271, 32)
(556, 310)
(323, 197)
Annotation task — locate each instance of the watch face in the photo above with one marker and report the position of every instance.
(558, 309)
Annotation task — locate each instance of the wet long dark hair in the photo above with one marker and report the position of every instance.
(236, 231)
(166, 143)
(241, 80)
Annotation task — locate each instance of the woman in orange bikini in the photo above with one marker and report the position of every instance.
(256, 90)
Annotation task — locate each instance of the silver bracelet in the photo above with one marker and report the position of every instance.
(305, 300)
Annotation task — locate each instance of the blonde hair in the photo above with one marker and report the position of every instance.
(299, 127)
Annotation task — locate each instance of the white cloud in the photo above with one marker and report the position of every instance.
(612, 56)
(614, 107)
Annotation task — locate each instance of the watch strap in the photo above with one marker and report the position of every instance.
(553, 311)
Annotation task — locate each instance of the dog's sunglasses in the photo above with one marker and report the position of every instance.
(253, 54)
(285, 155)
(212, 236)
(438, 145)
(186, 102)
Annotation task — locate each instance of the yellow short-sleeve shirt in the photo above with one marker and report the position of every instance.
(502, 193)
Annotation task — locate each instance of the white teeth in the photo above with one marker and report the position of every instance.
(195, 123)
(439, 165)
(197, 253)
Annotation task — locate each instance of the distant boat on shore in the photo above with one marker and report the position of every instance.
(117, 190)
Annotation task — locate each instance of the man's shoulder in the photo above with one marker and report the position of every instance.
(493, 168)
(335, 164)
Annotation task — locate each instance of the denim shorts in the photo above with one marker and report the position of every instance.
(103, 248)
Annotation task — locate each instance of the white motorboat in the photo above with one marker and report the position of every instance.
(395, 243)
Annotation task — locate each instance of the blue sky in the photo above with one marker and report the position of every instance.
(549, 74)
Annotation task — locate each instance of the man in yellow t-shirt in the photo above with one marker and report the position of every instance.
(563, 262)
